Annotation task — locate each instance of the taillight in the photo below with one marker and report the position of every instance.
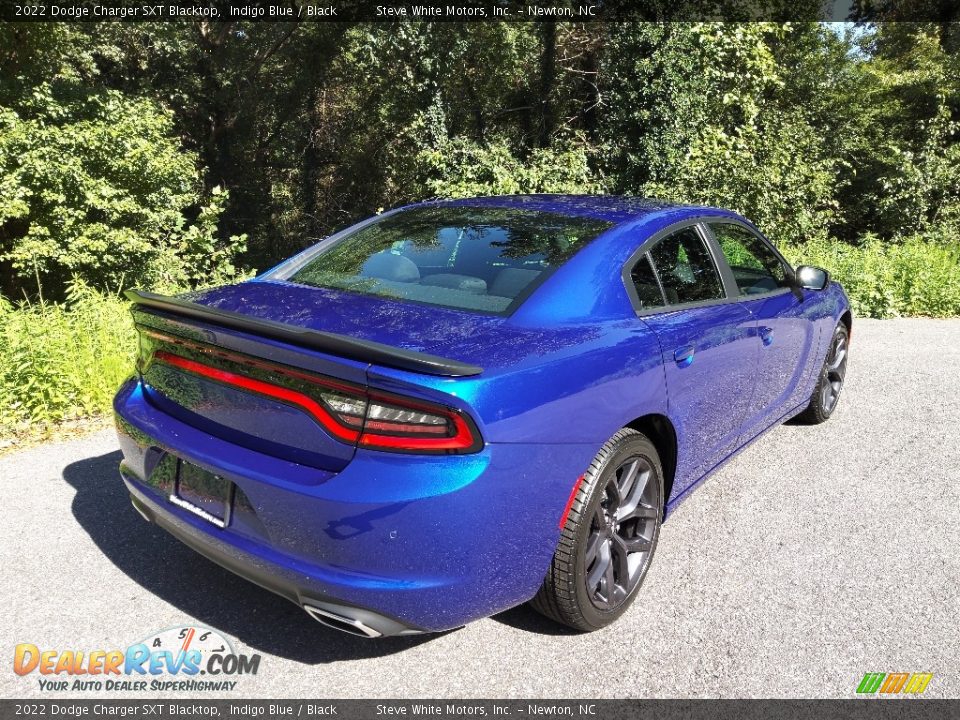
(399, 424)
(350, 413)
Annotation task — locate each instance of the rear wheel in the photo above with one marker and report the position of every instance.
(827, 392)
(609, 537)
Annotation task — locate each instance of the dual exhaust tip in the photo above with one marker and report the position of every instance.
(344, 624)
(357, 621)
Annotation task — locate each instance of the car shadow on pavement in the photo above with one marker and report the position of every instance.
(198, 587)
(523, 617)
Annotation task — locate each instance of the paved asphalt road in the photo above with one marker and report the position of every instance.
(817, 555)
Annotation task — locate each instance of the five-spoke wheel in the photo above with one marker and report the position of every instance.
(835, 370)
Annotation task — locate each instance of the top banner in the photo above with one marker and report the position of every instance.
(480, 10)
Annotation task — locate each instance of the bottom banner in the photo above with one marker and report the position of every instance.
(581, 709)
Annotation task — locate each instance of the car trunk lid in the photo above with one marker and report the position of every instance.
(273, 371)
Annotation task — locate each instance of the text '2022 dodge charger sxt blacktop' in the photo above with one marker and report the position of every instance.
(459, 406)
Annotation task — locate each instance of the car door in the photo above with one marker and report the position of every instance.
(709, 355)
(784, 334)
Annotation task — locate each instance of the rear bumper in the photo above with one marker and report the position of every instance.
(247, 566)
(407, 543)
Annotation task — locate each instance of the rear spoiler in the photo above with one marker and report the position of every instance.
(342, 345)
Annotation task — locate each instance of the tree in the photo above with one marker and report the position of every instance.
(95, 182)
(697, 114)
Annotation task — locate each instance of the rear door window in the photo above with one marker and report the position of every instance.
(645, 285)
(686, 269)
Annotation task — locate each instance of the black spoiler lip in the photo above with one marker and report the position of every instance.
(342, 345)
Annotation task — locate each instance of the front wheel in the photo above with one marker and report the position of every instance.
(609, 538)
(827, 392)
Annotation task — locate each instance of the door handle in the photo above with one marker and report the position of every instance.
(766, 335)
(683, 356)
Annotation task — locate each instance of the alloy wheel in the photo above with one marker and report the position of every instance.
(836, 369)
(622, 533)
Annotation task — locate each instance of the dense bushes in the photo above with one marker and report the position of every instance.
(915, 277)
(116, 140)
(95, 184)
(463, 168)
(98, 187)
(715, 125)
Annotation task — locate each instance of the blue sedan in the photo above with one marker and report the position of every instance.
(459, 406)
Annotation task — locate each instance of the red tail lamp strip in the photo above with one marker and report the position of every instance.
(569, 505)
(308, 404)
(464, 438)
(250, 362)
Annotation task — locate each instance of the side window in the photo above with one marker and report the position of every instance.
(645, 283)
(755, 267)
(687, 272)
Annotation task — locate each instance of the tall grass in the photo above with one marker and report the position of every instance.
(914, 278)
(62, 361)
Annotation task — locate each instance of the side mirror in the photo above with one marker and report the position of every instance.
(810, 277)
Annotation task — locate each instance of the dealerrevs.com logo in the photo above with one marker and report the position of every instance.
(186, 659)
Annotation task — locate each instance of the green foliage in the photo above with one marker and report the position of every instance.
(197, 258)
(809, 133)
(97, 186)
(901, 106)
(706, 102)
(463, 168)
(60, 361)
(917, 277)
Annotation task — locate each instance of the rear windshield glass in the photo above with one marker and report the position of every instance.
(460, 257)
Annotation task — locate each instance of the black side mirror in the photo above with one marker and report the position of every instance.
(810, 277)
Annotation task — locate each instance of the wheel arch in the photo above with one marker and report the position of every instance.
(847, 319)
(661, 432)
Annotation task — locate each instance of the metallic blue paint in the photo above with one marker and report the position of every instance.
(437, 541)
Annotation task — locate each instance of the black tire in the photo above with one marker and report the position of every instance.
(566, 594)
(826, 394)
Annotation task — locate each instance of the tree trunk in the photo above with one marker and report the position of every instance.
(548, 74)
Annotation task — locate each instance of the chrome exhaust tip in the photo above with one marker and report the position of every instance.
(341, 623)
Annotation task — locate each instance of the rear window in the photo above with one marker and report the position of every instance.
(471, 258)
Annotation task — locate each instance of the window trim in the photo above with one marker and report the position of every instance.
(787, 267)
(632, 288)
(729, 288)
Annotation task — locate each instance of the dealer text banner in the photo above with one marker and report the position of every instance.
(460, 10)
